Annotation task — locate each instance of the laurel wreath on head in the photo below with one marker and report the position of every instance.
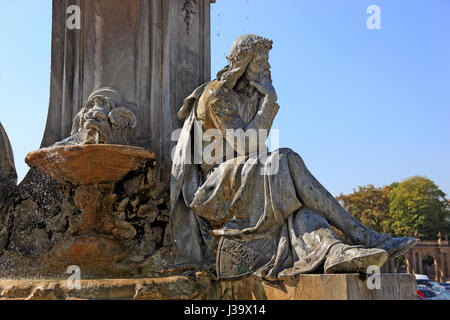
(248, 45)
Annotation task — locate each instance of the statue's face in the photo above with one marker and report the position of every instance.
(259, 67)
(96, 119)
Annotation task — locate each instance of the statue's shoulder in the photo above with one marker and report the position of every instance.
(215, 89)
(215, 95)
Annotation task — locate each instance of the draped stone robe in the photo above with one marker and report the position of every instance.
(260, 225)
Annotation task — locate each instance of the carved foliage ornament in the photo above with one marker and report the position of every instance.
(189, 12)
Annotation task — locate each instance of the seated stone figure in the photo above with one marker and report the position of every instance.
(102, 121)
(229, 217)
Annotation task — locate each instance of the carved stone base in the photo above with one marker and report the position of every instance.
(317, 287)
(304, 287)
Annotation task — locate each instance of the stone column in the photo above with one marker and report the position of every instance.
(414, 263)
(438, 268)
(409, 263)
(156, 52)
(420, 263)
(445, 266)
(392, 266)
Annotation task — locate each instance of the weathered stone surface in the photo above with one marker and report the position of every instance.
(104, 119)
(153, 61)
(8, 174)
(109, 210)
(316, 287)
(83, 228)
(267, 214)
(28, 233)
(131, 187)
(152, 266)
(305, 287)
(120, 289)
(123, 230)
(175, 288)
(148, 211)
(89, 163)
(94, 255)
(123, 204)
(155, 64)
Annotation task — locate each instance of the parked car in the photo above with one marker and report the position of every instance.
(425, 293)
(421, 279)
(446, 285)
(436, 286)
(444, 295)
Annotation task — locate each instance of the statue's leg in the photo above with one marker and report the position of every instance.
(314, 196)
(314, 241)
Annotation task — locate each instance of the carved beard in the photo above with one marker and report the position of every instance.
(251, 99)
(250, 96)
(251, 92)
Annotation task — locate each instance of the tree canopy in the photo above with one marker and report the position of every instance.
(401, 209)
(370, 205)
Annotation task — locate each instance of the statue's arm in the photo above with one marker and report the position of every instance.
(226, 118)
(265, 116)
(269, 109)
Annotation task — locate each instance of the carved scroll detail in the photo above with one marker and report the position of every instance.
(189, 12)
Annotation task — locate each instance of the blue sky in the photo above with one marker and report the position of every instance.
(360, 106)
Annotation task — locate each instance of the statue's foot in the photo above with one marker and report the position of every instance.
(343, 258)
(396, 247)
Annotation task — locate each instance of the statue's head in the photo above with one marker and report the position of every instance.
(103, 121)
(248, 60)
(249, 57)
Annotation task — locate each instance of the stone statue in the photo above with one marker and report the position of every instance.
(102, 120)
(8, 175)
(8, 181)
(238, 216)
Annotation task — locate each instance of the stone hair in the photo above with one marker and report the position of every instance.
(247, 45)
(242, 51)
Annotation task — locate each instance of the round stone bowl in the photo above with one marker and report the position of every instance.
(89, 164)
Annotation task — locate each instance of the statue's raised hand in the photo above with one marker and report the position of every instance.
(266, 88)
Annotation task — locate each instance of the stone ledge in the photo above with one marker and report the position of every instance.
(303, 287)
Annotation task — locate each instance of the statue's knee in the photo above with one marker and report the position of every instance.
(294, 158)
(310, 221)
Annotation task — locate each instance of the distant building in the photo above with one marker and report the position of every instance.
(427, 257)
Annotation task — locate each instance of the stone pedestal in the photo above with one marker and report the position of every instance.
(317, 287)
(304, 287)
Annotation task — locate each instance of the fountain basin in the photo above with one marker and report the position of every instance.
(89, 164)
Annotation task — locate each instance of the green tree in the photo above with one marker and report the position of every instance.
(370, 205)
(417, 204)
